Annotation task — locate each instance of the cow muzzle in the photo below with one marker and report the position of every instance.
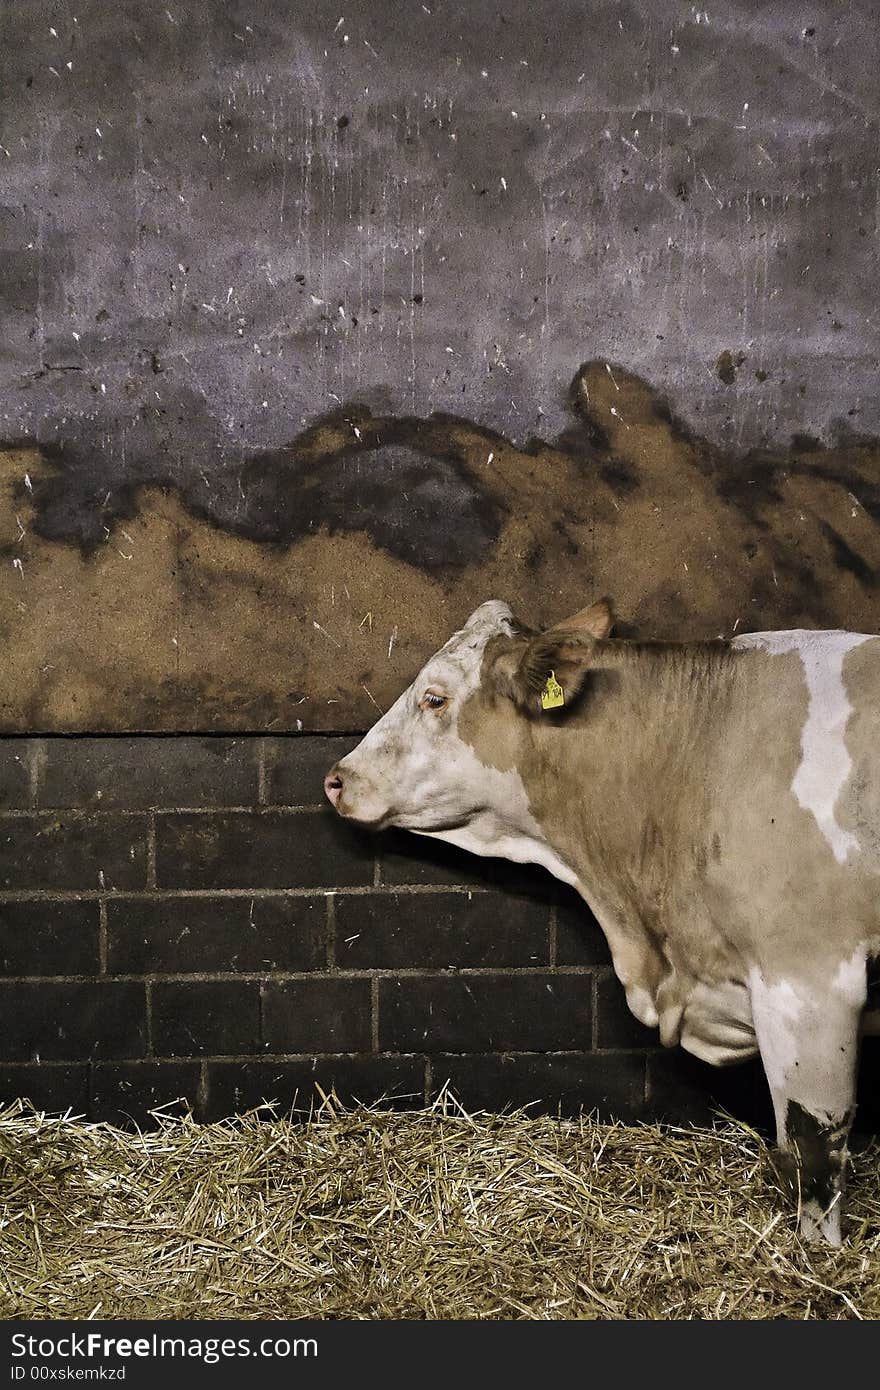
(355, 799)
(333, 785)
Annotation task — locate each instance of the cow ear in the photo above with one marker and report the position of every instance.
(595, 621)
(545, 672)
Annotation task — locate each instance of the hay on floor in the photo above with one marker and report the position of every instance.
(369, 1213)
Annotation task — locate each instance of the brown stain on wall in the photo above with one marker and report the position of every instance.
(316, 605)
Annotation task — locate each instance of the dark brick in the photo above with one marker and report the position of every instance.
(296, 767)
(49, 938)
(270, 849)
(617, 1027)
(206, 1016)
(579, 938)
(433, 930)
(323, 1014)
(64, 851)
(69, 1022)
(414, 859)
(612, 1084)
(522, 880)
(15, 772)
(50, 1088)
(684, 1090)
(136, 773)
(170, 935)
(124, 1093)
(484, 1013)
(237, 1086)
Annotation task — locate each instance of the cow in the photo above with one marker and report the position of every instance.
(717, 806)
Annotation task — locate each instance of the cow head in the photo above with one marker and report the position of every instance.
(417, 767)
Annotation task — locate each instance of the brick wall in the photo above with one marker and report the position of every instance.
(184, 917)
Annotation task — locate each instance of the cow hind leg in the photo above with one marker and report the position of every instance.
(808, 1034)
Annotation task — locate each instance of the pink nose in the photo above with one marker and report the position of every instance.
(333, 787)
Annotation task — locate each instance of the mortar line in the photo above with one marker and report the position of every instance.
(262, 774)
(330, 930)
(128, 812)
(374, 1013)
(99, 735)
(35, 769)
(151, 850)
(409, 972)
(274, 1058)
(102, 936)
(160, 892)
(202, 1089)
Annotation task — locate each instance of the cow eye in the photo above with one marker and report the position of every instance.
(433, 701)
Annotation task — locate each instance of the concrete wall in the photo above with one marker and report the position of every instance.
(247, 250)
(219, 220)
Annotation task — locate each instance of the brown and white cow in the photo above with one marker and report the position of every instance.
(716, 804)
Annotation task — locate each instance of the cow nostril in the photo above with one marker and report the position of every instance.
(333, 787)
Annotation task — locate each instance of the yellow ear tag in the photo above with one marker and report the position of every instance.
(552, 696)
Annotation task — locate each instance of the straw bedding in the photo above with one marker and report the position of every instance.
(371, 1213)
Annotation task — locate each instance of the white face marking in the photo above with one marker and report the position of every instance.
(413, 770)
(505, 829)
(825, 761)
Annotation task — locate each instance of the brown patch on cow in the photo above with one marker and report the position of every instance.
(485, 724)
(618, 793)
(300, 605)
(668, 790)
(596, 620)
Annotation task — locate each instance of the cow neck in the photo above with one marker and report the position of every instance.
(620, 781)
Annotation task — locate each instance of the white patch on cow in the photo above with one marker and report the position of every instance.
(825, 761)
(776, 1010)
(807, 1034)
(512, 834)
(849, 983)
